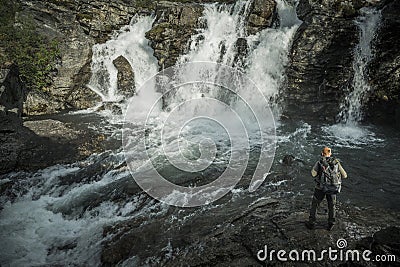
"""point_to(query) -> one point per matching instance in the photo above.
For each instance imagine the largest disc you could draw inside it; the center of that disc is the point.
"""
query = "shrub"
(35, 54)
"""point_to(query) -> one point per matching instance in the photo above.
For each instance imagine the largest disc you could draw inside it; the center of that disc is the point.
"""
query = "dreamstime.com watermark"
(197, 98)
(340, 253)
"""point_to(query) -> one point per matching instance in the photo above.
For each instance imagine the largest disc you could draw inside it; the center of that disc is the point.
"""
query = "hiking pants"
(317, 198)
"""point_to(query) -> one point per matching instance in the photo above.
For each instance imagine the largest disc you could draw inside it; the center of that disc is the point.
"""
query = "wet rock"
(10, 142)
(52, 129)
(37, 144)
(114, 107)
(288, 160)
(275, 221)
(175, 24)
(242, 48)
(261, 15)
(12, 90)
(77, 26)
(384, 68)
(320, 70)
(5, 185)
(384, 242)
(80, 96)
(125, 77)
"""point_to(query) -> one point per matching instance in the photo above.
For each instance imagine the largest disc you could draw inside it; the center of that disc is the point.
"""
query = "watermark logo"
(341, 243)
(340, 253)
(192, 117)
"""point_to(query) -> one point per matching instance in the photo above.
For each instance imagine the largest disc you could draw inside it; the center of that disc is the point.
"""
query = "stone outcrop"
(58, 20)
(174, 26)
(80, 96)
(384, 69)
(262, 13)
(125, 77)
(33, 145)
(77, 26)
(12, 90)
(320, 70)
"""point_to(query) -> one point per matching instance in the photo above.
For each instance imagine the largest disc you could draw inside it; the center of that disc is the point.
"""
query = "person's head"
(326, 152)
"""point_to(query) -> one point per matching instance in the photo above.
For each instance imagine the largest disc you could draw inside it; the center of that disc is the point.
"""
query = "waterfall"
(225, 24)
(268, 54)
(368, 24)
(129, 42)
(225, 98)
(348, 132)
(264, 59)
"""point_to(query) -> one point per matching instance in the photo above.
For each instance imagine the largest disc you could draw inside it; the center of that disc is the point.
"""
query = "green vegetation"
(35, 55)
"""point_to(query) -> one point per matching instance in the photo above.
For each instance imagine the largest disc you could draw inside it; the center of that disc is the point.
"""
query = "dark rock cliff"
(320, 71)
(77, 26)
(12, 90)
(321, 59)
(384, 70)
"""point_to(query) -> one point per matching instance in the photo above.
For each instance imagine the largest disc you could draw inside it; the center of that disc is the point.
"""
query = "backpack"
(330, 178)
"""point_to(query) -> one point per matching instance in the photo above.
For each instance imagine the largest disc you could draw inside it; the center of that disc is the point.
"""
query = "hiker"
(329, 173)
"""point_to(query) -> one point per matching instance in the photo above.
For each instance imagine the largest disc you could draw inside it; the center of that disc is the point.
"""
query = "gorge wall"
(384, 71)
(320, 72)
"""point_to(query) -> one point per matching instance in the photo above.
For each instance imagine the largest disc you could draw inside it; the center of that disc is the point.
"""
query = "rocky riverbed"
(277, 221)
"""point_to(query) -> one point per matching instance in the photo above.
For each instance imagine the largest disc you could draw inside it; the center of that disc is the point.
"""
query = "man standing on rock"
(329, 173)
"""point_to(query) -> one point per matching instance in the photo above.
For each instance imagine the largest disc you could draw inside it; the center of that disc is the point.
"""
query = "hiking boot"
(330, 226)
(310, 225)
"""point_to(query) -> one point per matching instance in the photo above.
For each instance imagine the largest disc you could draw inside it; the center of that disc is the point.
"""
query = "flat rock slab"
(37, 144)
(52, 129)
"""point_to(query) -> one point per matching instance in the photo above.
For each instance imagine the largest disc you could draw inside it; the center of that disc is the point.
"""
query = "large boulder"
(12, 93)
(125, 77)
(12, 90)
(262, 13)
(80, 96)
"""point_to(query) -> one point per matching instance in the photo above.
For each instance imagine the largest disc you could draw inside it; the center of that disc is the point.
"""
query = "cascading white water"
(368, 24)
(129, 42)
(264, 62)
(267, 50)
(268, 54)
(348, 132)
(224, 25)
